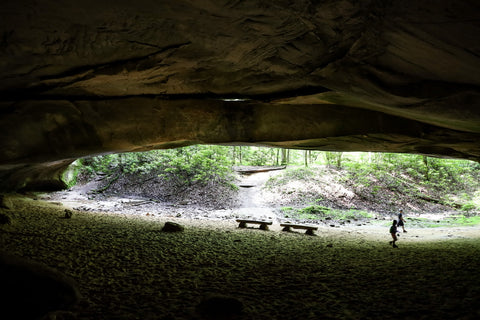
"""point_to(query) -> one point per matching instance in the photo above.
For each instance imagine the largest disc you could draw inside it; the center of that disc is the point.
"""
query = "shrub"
(469, 206)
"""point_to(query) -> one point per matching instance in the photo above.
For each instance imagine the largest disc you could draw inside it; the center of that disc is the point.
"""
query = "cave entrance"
(227, 182)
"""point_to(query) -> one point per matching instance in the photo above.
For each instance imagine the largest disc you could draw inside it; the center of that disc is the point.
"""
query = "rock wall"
(80, 79)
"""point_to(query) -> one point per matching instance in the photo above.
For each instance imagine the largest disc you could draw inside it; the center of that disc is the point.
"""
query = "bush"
(197, 164)
(183, 166)
(469, 206)
(290, 174)
(316, 210)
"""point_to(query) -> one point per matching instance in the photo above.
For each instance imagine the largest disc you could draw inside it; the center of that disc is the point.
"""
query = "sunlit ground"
(127, 268)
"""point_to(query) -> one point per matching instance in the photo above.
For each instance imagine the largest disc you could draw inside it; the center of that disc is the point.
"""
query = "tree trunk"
(427, 168)
(284, 160)
(339, 159)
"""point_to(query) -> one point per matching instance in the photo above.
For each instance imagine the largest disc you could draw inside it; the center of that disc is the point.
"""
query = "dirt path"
(251, 202)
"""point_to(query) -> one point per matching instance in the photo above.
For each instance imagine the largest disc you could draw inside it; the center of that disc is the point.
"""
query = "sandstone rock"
(81, 79)
(172, 227)
(68, 214)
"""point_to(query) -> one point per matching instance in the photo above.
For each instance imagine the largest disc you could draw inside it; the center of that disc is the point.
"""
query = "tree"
(333, 159)
(427, 169)
(285, 157)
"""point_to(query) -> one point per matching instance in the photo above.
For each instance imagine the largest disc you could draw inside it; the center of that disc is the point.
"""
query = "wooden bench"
(263, 224)
(289, 226)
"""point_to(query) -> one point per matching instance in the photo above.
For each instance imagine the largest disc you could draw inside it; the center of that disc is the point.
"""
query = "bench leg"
(242, 224)
(264, 226)
(286, 229)
(309, 232)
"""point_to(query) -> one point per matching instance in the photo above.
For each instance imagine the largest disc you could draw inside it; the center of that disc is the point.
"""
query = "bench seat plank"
(298, 226)
(263, 224)
(288, 226)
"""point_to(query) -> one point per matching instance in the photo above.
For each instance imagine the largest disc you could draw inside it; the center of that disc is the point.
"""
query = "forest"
(208, 176)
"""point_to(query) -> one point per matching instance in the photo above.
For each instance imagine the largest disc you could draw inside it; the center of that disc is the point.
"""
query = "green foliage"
(333, 158)
(313, 212)
(371, 176)
(184, 166)
(387, 180)
(414, 175)
(468, 221)
(298, 173)
(197, 164)
(469, 206)
(261, 156)
(316, 210)
(352, 214)
(305, 213)
(71, 174)
(101, 164)
(452, 221)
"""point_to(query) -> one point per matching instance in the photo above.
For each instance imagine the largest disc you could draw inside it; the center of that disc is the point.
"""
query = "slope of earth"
(344, 189)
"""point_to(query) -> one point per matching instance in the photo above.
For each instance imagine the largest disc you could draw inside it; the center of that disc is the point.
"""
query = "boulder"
(172, 227)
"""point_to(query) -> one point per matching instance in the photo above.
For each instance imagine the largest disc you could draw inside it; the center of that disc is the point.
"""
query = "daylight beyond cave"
(88, 79)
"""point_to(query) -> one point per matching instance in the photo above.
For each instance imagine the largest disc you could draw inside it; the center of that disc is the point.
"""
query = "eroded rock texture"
(92, 77)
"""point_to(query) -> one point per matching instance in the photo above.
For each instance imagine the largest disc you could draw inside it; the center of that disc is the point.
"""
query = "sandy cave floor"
(126, 268)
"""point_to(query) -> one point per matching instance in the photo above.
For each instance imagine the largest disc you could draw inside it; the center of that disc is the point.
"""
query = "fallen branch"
(439, 201)
(138, 203)
(107, 185)
(250, 170)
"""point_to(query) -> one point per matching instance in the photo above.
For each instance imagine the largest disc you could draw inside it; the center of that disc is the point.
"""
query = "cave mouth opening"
(227, 182)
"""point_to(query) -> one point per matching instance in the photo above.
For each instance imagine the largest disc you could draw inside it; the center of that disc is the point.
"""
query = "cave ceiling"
(94, 77)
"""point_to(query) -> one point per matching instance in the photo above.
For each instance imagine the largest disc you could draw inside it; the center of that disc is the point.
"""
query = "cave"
(101, 77)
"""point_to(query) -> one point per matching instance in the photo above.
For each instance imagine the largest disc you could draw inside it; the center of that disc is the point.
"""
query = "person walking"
(393, 232)
(401, 221)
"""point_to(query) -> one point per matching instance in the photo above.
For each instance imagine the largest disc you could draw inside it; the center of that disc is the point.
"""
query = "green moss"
(452, 221)
(69, 177)
(469, 206)
(317, 212)
(467, 221)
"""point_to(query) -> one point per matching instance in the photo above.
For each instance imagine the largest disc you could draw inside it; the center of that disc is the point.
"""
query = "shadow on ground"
(127, 268)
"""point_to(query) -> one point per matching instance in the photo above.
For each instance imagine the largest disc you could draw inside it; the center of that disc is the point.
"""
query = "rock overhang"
(102, 77)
